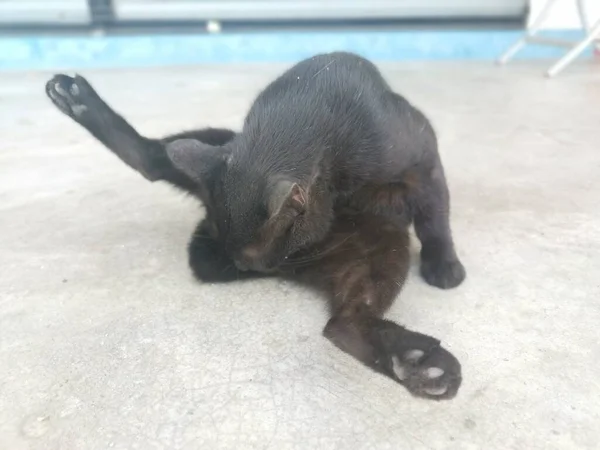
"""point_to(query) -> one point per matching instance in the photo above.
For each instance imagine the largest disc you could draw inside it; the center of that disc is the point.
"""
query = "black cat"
(321, 184)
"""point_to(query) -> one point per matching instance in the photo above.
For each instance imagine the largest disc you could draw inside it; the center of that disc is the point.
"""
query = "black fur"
(321, 184)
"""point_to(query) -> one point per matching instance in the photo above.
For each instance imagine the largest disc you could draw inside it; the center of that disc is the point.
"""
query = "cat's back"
(335, 107)
(332, 71)
(325, 82)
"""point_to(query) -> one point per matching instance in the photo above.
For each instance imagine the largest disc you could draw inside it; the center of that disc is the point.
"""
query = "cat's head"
(260, 219)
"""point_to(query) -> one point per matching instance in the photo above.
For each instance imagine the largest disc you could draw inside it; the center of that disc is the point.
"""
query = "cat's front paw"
(209, 261)
(442, 273)
(72, 95)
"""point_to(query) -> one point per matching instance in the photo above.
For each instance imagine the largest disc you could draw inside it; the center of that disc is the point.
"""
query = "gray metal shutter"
(44, 11)
(313, 9)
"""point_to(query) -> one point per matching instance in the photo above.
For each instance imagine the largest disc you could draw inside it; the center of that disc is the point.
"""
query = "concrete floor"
(106, 341)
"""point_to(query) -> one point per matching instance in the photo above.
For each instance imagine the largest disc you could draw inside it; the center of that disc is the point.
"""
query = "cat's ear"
(287, 196)
(196, 159)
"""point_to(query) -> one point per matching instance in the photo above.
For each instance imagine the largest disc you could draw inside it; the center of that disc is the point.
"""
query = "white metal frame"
(592, 35)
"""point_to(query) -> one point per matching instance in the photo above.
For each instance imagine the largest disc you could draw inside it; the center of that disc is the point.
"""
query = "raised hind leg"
(75, 97)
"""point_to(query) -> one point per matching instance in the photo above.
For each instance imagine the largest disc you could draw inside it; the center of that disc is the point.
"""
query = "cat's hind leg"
(75, 97)
(365, 264)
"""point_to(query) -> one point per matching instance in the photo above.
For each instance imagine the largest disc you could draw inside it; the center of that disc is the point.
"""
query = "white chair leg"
(563, 62)
(581, 9)
(535, 27)
(583, 16)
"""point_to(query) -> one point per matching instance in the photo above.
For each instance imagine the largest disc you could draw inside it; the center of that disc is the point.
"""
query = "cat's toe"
(69, 94)
(443, 274)
(435, 374)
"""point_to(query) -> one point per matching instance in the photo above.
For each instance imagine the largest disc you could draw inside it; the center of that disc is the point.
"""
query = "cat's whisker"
(226, 268)
(202, 236)
(318, 256)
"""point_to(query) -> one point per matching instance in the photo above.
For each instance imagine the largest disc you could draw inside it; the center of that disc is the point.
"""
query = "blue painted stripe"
(131, 51)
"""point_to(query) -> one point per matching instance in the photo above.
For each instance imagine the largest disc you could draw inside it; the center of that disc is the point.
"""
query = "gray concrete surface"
(106, 341)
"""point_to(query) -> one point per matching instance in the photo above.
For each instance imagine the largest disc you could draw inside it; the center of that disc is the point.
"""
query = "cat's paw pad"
(433, 374)
(443, 274)
(71, 95)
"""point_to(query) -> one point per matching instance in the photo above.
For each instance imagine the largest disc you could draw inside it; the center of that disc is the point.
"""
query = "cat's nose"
(240, 265)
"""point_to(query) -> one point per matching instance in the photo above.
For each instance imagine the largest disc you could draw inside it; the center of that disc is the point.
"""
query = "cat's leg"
(427, 195)
(362, 273)
(430, 204)
(209, 261)
(76, 98)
